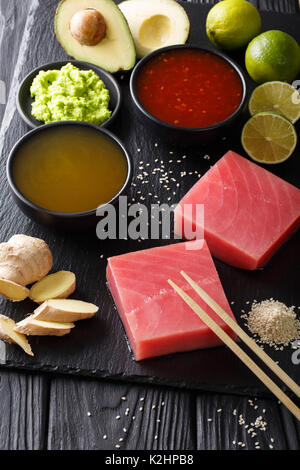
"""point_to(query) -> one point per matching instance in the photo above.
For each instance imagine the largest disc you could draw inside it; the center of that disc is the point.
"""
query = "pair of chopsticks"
(236, 348)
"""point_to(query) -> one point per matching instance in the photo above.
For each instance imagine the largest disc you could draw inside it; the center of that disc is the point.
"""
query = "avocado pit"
(88, 27)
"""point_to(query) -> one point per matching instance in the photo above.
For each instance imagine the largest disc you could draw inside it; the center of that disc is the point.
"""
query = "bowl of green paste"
(69, 91)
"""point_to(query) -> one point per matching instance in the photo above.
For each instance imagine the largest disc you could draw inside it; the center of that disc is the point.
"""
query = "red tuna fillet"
(248, 212)
(156, 319)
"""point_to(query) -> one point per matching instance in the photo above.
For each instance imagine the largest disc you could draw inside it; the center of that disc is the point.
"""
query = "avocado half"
(114, 52)
(155, 23)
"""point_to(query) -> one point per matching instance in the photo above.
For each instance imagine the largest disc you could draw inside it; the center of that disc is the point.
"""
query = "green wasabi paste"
(69, 94)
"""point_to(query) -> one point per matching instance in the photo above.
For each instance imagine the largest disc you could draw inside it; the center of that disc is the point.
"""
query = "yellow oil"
(69, 169)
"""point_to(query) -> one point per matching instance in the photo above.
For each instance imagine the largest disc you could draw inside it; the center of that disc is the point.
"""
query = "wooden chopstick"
(246, 338)
(238, 351)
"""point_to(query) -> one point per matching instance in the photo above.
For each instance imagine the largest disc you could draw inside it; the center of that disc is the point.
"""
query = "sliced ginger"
(54, 286)
(8, 334)
(12, 291)
(65, 310)
(30, 326)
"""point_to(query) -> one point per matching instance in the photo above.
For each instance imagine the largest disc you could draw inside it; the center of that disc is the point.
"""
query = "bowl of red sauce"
(188, 93)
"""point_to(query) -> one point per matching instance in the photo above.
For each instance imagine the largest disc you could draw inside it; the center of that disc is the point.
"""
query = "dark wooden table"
(39, 411)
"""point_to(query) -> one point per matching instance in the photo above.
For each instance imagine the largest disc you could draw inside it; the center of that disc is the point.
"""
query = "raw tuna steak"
(156, 319)
(248, 212)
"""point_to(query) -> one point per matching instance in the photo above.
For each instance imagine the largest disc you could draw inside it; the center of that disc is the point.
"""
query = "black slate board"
(98, 347)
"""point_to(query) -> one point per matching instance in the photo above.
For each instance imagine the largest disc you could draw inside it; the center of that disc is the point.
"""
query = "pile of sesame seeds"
(273, 323)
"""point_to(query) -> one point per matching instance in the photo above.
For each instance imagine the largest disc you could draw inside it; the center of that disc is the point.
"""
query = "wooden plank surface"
(23, 411)
(24, 397)
(88, 414)
(227, 422)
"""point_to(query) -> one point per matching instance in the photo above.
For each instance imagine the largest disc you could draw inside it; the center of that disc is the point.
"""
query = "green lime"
(269, 138)
(279, 97)
(232, 24)
(273, 56)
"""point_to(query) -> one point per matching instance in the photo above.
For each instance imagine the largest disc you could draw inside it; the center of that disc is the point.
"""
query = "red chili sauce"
(189, 88)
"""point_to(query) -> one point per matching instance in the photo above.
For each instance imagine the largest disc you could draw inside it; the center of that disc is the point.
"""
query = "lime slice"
(279, 97)
(269, 138)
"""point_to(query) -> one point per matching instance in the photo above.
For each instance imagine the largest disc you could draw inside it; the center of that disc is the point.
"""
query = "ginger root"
(65, 310)
(32, 327)
(9, 335)
(54, 286)
(23, 260)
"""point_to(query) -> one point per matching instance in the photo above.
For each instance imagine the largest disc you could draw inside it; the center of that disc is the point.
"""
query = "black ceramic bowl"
(78, 220)
(186, 135)
(24, 99)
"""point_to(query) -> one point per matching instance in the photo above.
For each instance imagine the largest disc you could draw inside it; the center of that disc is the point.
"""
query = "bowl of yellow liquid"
(60, 173)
